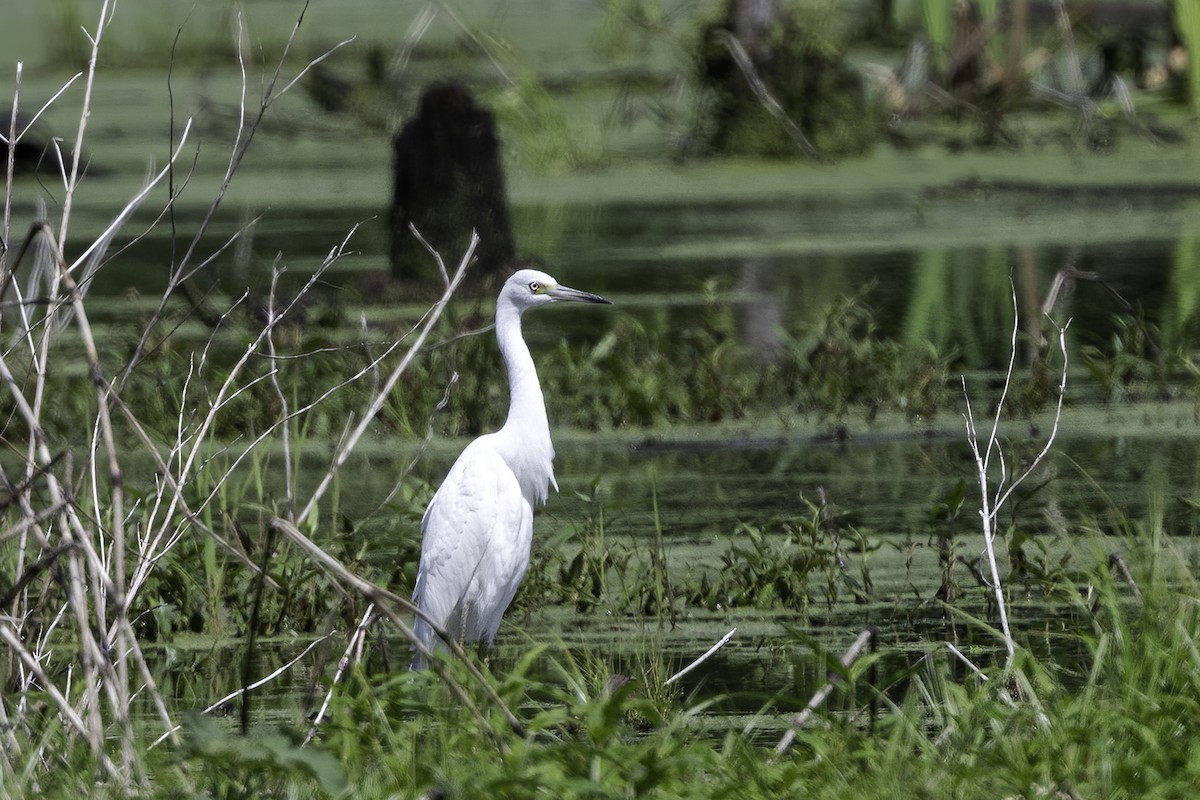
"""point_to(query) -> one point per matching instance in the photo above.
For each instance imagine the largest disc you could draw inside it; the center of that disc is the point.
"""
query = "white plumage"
(478, 529)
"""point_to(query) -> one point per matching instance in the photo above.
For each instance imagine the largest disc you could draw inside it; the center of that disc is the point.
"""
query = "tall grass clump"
(1187, 19)
(119, 530)
(1118, 720)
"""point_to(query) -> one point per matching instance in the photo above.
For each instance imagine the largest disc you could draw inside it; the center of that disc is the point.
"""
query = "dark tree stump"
(448, 181)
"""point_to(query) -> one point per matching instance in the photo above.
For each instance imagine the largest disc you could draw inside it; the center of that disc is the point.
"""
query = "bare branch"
(707, 654)
(768, 101)
(381, 396)
(990, 504)
(849, 657)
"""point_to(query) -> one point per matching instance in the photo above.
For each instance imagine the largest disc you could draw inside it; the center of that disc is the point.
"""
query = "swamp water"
(702, 493)
(698, 485)
(783, 241)
(783, 260)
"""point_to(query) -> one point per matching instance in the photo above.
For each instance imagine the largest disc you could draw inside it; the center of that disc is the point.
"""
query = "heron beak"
(567, 293)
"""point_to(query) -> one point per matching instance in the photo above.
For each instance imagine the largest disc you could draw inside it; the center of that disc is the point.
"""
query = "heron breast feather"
(478, 526)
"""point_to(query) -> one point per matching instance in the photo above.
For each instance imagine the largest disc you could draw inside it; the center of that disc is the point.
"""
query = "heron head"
(528, 288)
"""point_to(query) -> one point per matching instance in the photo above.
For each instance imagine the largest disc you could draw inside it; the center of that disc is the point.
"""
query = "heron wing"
(471, 537)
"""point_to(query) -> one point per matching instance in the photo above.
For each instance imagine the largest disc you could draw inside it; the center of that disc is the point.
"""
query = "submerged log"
(448, 181)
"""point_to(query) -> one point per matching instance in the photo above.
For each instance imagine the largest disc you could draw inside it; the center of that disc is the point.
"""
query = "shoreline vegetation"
(159, 482)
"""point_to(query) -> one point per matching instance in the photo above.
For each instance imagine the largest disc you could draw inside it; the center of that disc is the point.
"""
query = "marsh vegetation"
(222, 424)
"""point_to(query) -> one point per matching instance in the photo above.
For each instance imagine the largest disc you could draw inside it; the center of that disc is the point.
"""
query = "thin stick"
(125, 634)
(179, 476)
(990, 504)
(987, 518)
(720, 643)
(768, 101)
(431, 318)
(238, 692)
(64, 706)
(849, 657)
(987, 513)
(192, 517)
(225, 394)
(437, 257)
(387, 602)
(72, 182)
(71, 530)
(245, 135)
(289, 481)
(10, 163)
(1118, 561)
(151, 687)
(360, 632)
(1058, 409)
(959, 655)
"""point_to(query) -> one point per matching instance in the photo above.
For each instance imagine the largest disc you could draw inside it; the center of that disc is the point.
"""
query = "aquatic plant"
(1187, 18)
(943, 534)
(582, 569)
(120, 532)
(1133, 366)
(643, 370)
(806, 560)
(840, 364)
(1017, 730)
(166, 488)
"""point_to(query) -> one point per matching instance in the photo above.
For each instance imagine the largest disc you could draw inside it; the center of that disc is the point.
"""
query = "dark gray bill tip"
(567, 293)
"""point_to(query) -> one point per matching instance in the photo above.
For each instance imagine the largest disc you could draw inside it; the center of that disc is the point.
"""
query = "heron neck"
(526, 406)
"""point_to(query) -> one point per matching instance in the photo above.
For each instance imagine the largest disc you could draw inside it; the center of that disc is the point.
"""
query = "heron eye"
(535, 287)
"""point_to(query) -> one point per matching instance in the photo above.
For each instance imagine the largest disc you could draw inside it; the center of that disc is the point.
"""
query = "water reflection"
(940, 267)
(889, 483)
(760, 319)
(941, 272)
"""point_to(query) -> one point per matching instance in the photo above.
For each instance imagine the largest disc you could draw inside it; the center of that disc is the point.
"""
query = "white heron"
(478, 528)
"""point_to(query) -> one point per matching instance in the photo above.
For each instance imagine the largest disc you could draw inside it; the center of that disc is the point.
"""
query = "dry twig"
(707, 654)
(991, 503)
(849, 657)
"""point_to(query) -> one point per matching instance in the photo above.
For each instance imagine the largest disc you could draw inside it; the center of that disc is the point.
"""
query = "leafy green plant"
(233, 766)
(584, 576)
(1133, 366)
(842, 364)
(778, 570)
(943, 534)
(761, 572)
(1040, 564)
